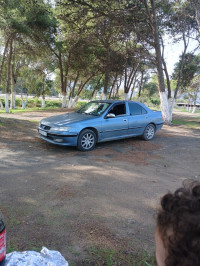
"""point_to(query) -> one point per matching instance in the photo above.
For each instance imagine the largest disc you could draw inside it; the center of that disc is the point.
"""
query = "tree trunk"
(13, 93)
(167, 78)
(197, 16)
(107, 71)
(64, 100)
(24, 102)
(188, 105)
(113, 85)
(129, 78)
(171, 104)
(71, 95)
(75, 100)
(165, 107)
(103, 97)
(106, 81)
(43, 101)
(117, 89)
(1, 104)
(166, 73)
(7, 103)
(133, 87)
(141, 85)
(94, 94)
(126, 96)
(4, 57)
(8, 76)
(181, 67)
(12, 100)
(81, 87)
(161, 84)
(195, 102)
(63, 87)
(194, 109)
(70, 103)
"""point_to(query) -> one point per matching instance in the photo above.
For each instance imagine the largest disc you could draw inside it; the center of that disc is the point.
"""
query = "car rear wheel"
(87, 140)
(149, 132)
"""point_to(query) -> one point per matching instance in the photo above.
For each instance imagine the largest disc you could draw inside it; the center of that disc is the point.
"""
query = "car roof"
(123, 101)
(115, 101)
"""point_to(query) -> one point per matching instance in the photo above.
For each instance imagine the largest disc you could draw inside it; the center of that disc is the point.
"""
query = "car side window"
(118, 109)
(136, 109)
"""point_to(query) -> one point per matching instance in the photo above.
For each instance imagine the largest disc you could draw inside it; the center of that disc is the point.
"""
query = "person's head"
(178, 227)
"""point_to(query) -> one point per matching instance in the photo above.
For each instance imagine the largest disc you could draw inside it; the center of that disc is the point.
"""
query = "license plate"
(43, 133)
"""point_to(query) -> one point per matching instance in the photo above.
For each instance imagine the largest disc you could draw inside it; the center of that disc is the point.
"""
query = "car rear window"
(136, 109)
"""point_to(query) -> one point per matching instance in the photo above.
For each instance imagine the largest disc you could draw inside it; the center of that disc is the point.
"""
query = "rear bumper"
(159, 126)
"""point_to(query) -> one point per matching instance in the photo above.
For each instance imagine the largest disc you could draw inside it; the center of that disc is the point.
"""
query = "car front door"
(115, 127)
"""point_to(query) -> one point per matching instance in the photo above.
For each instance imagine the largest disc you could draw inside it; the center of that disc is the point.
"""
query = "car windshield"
(94, 108)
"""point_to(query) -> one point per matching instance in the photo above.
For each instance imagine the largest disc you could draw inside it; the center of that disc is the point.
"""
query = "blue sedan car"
(99, 121)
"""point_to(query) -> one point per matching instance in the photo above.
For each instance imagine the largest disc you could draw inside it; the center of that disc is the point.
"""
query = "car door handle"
(125, 120)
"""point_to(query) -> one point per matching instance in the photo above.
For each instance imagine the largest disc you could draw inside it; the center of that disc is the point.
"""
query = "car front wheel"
(87, 140)
(149, 132)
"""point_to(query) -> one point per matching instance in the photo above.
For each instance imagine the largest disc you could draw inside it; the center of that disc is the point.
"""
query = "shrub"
(3, 101)
(79, 104)
(31, 103)
(53, 104)
(18, 102)
(155, 101)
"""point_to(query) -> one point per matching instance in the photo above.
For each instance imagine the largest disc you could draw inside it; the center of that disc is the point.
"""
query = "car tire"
(87, 140)
(149, 132)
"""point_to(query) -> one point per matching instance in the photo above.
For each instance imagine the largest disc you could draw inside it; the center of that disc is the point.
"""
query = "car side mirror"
(110, 115)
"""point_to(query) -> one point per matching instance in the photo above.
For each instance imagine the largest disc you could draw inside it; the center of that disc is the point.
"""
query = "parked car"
(99, 121)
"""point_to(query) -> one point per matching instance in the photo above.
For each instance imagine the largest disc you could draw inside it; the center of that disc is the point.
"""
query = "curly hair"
(178, 223)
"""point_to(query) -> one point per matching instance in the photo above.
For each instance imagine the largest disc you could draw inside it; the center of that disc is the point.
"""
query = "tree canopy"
(97, 45)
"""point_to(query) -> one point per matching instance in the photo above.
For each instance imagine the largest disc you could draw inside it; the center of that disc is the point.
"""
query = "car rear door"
(115, 127)
(137, 120)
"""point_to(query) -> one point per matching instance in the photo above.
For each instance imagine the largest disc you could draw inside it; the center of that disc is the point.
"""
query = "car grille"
(45, 127)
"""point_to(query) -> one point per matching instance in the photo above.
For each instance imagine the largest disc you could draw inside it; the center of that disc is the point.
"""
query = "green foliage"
(31, 103)
(150, 89)
(155, 101)
(39, 17)
(2, 100)
(95, 85)
(36, 102)
(53, 104)
(18, 102)
(190, 68)
(86, 94)
(149, 93)
(79, 104)
(117, 97)
(82, 40)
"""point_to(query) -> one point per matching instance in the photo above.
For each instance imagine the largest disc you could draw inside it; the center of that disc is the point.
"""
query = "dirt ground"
(70, 201)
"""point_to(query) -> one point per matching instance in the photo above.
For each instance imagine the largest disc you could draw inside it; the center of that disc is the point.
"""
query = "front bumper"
(58, 139)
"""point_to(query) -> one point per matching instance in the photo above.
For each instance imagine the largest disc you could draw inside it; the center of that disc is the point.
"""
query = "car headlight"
(60, 128)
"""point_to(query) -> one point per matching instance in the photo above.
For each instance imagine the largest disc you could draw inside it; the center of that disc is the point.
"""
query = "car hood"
(65, 119)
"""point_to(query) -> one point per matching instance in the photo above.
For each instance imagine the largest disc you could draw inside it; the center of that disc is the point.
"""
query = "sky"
(173, 52)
